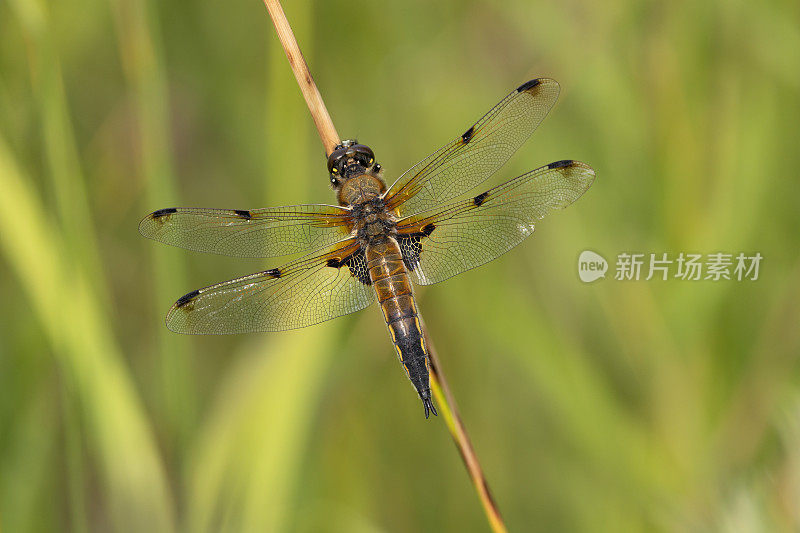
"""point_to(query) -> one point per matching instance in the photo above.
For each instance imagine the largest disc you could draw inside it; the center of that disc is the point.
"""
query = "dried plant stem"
(449, 410)
(441, 390)
(319, 112)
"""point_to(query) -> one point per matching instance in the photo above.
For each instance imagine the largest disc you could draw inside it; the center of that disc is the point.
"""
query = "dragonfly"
(424, 227)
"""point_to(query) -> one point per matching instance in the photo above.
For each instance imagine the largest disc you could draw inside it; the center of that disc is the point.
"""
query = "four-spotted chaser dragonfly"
(377, 238)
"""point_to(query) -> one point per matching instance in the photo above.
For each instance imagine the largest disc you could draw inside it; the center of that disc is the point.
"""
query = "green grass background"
(649, 406)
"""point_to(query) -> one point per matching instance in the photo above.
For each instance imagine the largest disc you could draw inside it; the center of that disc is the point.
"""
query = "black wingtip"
(186, 298)
(163, 212)
(528, 85)
(564, 163)
(429, 408)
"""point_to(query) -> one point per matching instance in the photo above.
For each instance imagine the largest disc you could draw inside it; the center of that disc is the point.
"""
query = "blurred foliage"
(616, 406)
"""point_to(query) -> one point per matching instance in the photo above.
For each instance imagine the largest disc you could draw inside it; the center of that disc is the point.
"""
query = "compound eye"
(333, 160)
(364, 155)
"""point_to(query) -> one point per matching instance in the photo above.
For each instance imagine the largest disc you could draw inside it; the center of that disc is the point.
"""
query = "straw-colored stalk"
(441, 390)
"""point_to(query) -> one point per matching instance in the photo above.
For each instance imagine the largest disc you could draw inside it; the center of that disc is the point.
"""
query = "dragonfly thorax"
(372, 220)
(361, 190)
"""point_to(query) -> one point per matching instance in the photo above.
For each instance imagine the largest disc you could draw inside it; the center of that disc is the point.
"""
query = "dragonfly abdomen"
(393, 288)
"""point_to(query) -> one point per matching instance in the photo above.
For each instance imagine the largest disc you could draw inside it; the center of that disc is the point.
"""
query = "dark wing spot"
(564, 163)
(273, 272)
(468, 135)
(478, 200)
(410, 247)
(528, 85)
(163, 212)
(243, 213)
(357, 263)
(186, 298)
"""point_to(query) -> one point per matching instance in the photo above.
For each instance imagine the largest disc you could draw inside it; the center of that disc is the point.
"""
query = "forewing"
(475, 155)
(270, 232)
(466, 234)
(301, 293)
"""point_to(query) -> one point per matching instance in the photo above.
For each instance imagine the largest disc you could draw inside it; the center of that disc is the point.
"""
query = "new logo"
(591, 266)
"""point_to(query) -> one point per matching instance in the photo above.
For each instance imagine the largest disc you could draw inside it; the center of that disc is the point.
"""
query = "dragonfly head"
(349, 159)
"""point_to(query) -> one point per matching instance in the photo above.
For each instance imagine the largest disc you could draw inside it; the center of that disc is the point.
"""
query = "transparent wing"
(473, 157)
(469, 233)
(301, 293)
(270, 232)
